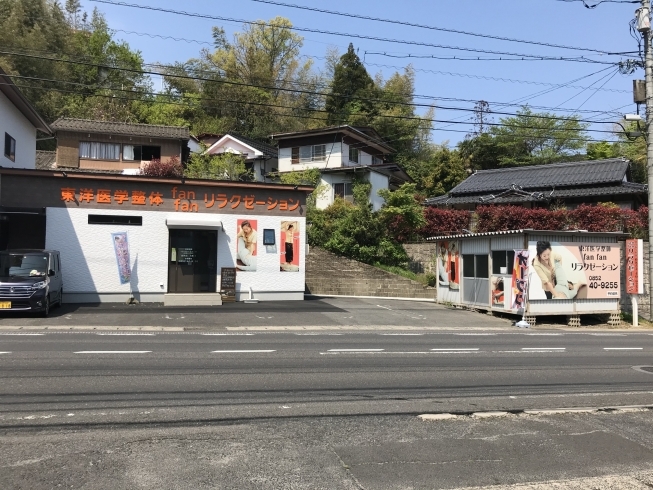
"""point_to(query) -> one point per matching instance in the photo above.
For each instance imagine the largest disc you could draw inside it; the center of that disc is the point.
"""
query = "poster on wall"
(449, 265)
(498, 291)
(520, 279)
(246, 245)
(121, 248)
(570, 271)
(289, 255)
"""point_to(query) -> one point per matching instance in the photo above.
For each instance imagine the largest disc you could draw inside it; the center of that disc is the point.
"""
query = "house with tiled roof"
(19, 123)
(342, 154)
(86, 144)
(260, 157)
(569, 183)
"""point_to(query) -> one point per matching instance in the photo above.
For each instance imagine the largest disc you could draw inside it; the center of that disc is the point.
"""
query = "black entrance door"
(192, 265)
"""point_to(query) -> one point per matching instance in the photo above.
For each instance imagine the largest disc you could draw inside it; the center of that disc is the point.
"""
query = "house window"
(475, 266)
(502, 258)
(10, 148)
(137, 153)
(353, 154)
(305, 154)
(343, 191)
(377, 160)
(107, 219)
(99, 151)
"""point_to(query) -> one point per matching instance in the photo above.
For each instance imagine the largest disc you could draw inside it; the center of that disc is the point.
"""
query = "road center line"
(113, 352)
(623, 348)
(23, 334)
(385, 307)
(402, 334)
(355, 350)
(125, 334)
(241, 351)
(5, 352)
(544, 334)
(474, 334)
(232, 334)
(455, 350)
(543, 348)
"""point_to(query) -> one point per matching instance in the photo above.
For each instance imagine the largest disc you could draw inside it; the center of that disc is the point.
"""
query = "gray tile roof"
(45, 159)
(589, 172)
(120, 128)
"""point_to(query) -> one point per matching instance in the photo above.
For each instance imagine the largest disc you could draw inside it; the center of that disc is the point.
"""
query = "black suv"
(30, 280)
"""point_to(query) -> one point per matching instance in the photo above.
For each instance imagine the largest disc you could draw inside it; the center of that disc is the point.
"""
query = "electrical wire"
(434, 28)
(335, 33)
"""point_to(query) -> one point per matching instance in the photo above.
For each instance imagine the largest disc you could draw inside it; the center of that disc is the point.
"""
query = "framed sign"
(228, 284)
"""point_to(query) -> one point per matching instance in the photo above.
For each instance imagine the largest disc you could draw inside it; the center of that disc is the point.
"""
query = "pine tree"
(73, 8)
(350, 79)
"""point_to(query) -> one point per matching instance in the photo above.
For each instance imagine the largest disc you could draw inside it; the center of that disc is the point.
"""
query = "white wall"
(89, 263)
(378, 182)
(334, 156)
(13, 122)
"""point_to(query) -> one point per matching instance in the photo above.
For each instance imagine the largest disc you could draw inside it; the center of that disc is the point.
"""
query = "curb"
(421, 300)
(431, 417)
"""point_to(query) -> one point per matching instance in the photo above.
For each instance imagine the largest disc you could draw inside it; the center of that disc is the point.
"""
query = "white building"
(341, 153)
(19, 123)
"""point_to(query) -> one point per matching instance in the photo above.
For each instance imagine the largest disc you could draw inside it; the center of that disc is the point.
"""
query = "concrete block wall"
(329, 274)
(422, 257)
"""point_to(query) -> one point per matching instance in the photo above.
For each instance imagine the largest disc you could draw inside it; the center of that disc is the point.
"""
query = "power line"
(297, 91)
(599, 2)
(434, 28)
(516, 57)
(334, 33)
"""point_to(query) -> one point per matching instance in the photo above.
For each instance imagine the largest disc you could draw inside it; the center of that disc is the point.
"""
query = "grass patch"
(425, 279)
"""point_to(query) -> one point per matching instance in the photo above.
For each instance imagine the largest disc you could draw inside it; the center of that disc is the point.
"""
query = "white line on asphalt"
(113, 352)
(547, 334)
(356, 350)
(227, 334)
(241, 351)
(124, 334)
(455, 350)
(543, 348)
(384, 353)
(318, 334)
(474, 334)
(623, 348)
(384, 307)
(5, 352)
(402, 334)
(25, 334)
(608, 334)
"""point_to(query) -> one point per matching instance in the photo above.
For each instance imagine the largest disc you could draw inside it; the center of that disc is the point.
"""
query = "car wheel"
(46, 307)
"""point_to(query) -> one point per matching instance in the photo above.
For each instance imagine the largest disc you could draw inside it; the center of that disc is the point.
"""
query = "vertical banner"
(520, 279)
(449, 265)
(290, 237)
(121, 248)
(246, 244)
(635, 266)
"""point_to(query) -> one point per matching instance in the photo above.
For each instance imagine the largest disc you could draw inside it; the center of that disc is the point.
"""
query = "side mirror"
(51, 273)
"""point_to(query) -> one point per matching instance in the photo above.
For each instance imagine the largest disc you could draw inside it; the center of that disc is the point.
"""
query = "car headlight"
(39, 285)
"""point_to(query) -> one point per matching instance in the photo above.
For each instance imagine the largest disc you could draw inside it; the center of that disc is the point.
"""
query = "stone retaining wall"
(422, 257)
(330, 274)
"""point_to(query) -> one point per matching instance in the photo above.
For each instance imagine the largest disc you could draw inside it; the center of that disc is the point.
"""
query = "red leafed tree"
(159, 168)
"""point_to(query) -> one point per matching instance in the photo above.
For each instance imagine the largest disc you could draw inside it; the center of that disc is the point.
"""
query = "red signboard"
(634, 265)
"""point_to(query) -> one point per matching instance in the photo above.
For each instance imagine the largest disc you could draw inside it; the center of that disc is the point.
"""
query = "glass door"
(192, 264)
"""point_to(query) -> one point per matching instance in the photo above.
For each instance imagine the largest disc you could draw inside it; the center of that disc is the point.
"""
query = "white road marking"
(385, 307)
(384, 353)
(623, 348)
(455, 350)
(5, 352)
(124, 334)
(402, 334)
(474, 334)
(547, 334)
(318, 334)
(608, 334)
(241, 351)
(214, 334)
(24, 334)
(113, 352)
(355, 350)
(543, 348)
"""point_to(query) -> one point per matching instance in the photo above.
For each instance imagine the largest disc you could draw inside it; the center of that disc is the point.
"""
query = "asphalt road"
(326, 409)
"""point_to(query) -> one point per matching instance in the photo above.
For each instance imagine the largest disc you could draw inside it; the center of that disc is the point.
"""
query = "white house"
(341, 153)
(19, 122)
(259, 157)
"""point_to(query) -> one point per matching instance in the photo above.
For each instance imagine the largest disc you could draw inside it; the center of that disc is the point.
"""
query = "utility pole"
(644, 26)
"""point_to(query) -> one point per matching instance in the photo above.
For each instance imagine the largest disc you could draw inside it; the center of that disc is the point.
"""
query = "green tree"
(402, 212)
(436, 169)
(226, 166)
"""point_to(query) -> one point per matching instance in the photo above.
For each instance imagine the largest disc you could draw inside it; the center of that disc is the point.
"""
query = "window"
(304, 154)
(137, 153)
(476, 266)
(343, 191)
(502, 258)
(353, 154)
(10, 148)
(99, 151)
(107, 219)
(377, 160)
(268, 237)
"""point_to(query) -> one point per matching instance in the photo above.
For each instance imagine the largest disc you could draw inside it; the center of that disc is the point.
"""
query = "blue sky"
(551, 21)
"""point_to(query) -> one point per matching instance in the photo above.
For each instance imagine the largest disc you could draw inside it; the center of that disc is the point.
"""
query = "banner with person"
(520, 279)
(571, 271)
(246, 245)
(121, 249)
